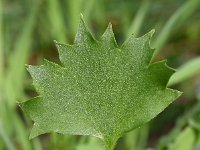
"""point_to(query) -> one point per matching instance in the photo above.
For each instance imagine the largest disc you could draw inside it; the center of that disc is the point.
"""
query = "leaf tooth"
(138, 49)
(43, 73)
(108, 36)
(161, 71)
(36, 131)
(50, 64)
(32, 107)
(34, 70)
(150, 35)
(83, 36)
(61, 45)
(66, 53)
(110, 142)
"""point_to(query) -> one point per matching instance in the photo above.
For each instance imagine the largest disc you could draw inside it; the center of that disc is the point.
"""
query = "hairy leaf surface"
(101, 89)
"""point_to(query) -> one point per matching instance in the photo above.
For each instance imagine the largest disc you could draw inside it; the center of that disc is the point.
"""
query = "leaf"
(101, 89)
(186, 71)
(184, 141)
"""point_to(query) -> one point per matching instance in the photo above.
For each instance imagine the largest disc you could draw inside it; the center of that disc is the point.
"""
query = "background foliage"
(27, 31)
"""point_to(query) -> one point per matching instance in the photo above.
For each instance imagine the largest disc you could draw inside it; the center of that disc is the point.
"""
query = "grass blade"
(184, 141)
(5, 138)
(74, 8)
(55, 16)
(176, 19)
(16, 71)
(1, 42)
(139, 18)
(186, 71)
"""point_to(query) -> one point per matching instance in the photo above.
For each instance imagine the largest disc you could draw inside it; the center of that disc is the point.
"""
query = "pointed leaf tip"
(55, 41)
(82, 21)
(34, 132)
(28, 67)
(81, 16)
(110, 26)
(83, 35)
(108, 36)
(108, 32)
(152, 32)
(148, 35)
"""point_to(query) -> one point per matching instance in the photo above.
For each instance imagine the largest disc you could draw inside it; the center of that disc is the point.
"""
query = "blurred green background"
(27, 31)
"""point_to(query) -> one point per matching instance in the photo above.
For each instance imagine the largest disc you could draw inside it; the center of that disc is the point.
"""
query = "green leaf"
(184, 141)
(186, 71)
(101, 89)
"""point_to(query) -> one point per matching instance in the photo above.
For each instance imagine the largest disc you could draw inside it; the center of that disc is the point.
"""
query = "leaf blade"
(101, 90)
